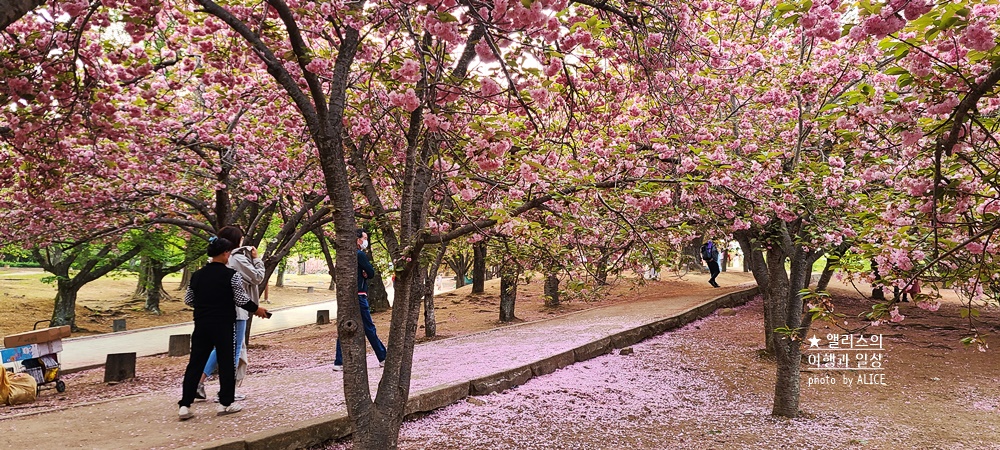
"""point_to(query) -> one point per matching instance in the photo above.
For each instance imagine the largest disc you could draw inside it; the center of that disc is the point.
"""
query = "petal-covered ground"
(705, 386)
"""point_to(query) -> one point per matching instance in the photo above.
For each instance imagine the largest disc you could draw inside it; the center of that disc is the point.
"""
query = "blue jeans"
(366, 317)
(213, 363)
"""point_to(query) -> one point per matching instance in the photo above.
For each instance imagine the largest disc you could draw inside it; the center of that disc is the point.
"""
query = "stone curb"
(338, 426)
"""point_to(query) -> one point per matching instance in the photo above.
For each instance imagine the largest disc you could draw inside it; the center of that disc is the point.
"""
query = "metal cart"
(45, 369)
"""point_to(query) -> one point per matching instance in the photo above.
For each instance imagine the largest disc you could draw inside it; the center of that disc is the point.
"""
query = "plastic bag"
(23, 389)
(242, 366)
(4, 386)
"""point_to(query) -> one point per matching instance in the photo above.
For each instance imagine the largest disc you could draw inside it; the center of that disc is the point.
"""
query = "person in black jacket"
(365, 271)
(213, 291)
(710, 253)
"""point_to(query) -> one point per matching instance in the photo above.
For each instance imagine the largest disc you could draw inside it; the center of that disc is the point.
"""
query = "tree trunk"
(154, 282)
(877, 292)
(783, 294)
(331, 266)
(185, 278)
(824, 279)
(12, 10)
(479, 267)
(143, 274)
(154, 289)
(601, 270)
(753, 258)
(508, 294)
(786, 388)
(552, 290)
(378, 297)
(430, 322)
(280, 282)
(64, 312)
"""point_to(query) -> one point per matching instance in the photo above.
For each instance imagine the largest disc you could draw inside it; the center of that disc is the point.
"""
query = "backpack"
(706, 252)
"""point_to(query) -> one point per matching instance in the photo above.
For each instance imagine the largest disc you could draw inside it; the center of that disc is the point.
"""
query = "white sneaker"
(338, 368)
(200, 393)
(237, 397)
(184, 413)
(381, 363)
(231, 409)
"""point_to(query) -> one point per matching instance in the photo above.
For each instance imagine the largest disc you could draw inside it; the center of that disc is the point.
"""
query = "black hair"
(361, 232)
(233, 234)
(218, 246)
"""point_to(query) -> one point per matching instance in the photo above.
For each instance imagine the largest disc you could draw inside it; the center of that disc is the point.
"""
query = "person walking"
(365, 271)
(243, 260)
(710, 253)
(212, 292)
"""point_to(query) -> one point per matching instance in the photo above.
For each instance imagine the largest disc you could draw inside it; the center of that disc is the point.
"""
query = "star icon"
(813, 341)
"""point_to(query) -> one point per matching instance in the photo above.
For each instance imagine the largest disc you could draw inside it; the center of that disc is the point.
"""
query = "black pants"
(713, 268)
(206, 336)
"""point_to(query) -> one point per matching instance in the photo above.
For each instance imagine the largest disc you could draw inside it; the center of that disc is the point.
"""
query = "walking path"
(91, 351)
(294, 408)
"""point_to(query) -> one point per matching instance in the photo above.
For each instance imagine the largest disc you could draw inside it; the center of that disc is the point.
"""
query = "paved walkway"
(278, 402)
(92, 351)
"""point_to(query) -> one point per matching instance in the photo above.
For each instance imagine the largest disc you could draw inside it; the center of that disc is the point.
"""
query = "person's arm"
(240, 295)
(252, 269)
(365, 265)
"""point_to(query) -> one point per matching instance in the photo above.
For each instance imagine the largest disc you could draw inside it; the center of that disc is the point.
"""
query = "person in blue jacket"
(365, 272)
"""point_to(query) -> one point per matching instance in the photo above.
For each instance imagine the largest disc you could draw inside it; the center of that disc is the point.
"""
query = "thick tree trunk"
(508, 294)
(378, 297)
(551, 290)
(154, 289)
(64, 312)
(786, 388)
(12, 10)
(479, 267)
(143, 275)
(787, 313)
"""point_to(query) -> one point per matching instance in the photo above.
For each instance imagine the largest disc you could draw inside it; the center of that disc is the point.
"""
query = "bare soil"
(25, 299)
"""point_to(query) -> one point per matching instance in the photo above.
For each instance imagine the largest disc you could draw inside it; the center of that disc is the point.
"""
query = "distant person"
(710, 253)
(212, 292)
(243, 260)
(365, 271)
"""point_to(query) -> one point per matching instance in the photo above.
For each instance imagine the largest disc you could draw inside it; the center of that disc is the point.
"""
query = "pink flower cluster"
(407, 100)
(979, 36)
(822, 20)
(409, 72)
